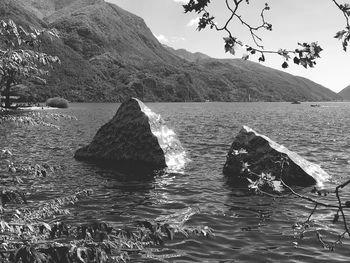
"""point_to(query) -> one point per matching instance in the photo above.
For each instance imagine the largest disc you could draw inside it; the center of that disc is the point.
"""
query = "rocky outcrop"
(135, 138)
(252, 154)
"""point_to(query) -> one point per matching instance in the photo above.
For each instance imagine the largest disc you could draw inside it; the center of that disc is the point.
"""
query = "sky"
(292, 21)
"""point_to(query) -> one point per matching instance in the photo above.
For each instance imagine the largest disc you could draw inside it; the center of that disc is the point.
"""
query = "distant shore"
(28, 108)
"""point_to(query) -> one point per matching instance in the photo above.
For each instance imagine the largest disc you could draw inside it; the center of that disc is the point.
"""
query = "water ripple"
(248, 228)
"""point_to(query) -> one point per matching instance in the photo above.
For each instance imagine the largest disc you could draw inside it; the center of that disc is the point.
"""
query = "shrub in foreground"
(33, 232)
(57, 102)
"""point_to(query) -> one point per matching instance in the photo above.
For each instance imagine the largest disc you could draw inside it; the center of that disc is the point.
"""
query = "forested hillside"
(109, 54)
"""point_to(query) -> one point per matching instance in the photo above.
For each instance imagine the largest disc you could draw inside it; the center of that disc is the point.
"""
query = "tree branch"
(341, 7)
(340, 205)
(305, 57)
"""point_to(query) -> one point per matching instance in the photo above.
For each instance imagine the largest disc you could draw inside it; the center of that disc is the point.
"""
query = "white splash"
(175, 155)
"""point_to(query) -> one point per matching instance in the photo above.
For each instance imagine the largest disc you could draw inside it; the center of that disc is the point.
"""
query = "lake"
(247, 227)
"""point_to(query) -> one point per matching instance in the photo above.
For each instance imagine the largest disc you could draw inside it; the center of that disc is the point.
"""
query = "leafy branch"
(305, 54)
(36, 233)
(275, 187)
(34, 119)
(19, 60)
(344, 34)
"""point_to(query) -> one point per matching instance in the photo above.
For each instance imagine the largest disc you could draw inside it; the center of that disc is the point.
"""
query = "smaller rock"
(252, 153)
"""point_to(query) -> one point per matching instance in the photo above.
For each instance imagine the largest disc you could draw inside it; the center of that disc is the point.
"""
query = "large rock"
(135, 138)
(256, 152)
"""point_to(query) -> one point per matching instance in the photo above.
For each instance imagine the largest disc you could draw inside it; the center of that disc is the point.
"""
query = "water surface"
(248, 228)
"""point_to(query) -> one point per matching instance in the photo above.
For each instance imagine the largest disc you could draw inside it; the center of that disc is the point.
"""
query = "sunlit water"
(248, 228)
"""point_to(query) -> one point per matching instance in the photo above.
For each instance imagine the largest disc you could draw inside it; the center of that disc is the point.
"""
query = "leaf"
(170, 232)
(30, 227)
(19, 180)
(229, 48)
(245, 166)
(47, 226)
(146, 224)
(3, 225)
(204, 233)
(296, 60)
(303, 63)
(230, 44)
(339, 35)
(80, 253)
(277, 186)
(262, 58)
(184, 233)
(245, 57)
(242, 151)
(250, 181)
(336, 218)
(285, 64)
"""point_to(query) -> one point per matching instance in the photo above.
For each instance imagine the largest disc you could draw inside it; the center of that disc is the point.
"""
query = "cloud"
(177, 39)
(166, 39)
(193, 22)
(162, 39)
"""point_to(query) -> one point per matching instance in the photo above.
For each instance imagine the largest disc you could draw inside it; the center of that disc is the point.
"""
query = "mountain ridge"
(109, 54)
(345, 93)
(254, 68)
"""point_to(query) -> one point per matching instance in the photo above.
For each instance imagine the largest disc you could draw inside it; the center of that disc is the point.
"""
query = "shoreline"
(27, 108)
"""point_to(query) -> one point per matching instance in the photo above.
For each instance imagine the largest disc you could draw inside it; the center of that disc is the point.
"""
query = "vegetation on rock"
(57, 102)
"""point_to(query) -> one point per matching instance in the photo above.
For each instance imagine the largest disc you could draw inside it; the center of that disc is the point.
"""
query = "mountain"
(109, 54)
(10, 9)
(183, 53)
(345, 93)
(258, 81)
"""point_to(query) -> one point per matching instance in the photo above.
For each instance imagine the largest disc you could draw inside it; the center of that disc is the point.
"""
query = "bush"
(57, 102)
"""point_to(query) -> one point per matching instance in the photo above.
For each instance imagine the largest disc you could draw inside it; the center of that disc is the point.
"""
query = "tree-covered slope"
(109, 54)
(345, 93)
(10, 9)
(254, 81)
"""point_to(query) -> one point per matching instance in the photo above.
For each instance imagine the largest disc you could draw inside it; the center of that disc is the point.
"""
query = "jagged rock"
(256, 152)
(135, 138)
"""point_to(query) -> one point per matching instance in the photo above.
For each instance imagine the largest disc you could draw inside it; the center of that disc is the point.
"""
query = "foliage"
(33, 118)
(344, 35)
(57, 102)
(274, 186)
(19, 60)
(37, 232)
(305, 55)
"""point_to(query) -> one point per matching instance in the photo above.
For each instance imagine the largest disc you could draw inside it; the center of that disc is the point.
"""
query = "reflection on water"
(248, 228)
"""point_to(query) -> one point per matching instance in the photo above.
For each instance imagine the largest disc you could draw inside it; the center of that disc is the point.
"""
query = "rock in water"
(256, 152)
(135, 138)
